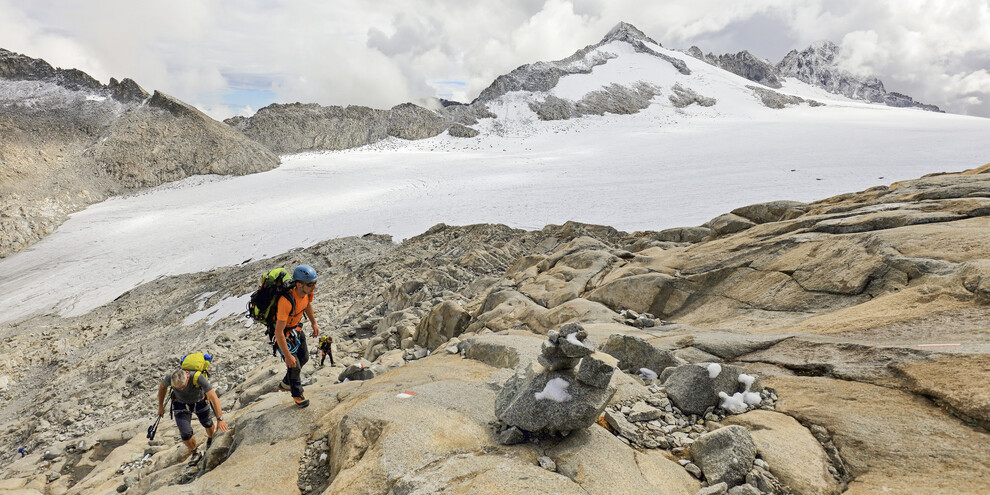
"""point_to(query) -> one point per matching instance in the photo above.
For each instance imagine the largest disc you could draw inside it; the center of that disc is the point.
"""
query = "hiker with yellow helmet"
(190, 394)
(289, 338)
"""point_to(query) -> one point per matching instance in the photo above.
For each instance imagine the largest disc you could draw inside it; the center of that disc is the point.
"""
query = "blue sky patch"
(254, 98)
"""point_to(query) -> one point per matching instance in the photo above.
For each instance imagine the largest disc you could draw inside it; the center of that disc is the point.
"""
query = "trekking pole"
(153, 429)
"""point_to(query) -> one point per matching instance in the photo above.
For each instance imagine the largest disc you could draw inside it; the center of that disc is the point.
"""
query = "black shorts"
(183, 417)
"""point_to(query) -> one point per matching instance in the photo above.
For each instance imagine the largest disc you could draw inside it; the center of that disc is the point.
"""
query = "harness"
(292, 340)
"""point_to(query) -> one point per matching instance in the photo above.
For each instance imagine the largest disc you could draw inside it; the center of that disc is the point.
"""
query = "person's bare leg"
(191, 445)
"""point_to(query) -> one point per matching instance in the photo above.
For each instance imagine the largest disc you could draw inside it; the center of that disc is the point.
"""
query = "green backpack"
(198, 362)
(264, 301)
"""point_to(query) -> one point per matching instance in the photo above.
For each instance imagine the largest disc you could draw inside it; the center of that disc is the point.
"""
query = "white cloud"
(386, 52)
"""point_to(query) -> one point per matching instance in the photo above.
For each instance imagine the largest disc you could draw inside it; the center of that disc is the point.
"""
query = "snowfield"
(663, 167)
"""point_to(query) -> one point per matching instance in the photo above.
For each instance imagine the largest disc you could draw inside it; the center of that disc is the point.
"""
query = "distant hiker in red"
(289, 338)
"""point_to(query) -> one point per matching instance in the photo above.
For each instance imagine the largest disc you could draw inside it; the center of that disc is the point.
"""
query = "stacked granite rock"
(567, 389)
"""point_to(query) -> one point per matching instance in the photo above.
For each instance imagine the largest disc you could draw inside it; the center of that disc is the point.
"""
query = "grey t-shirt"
(190, 394)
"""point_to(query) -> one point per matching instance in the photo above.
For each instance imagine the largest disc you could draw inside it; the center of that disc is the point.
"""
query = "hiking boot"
(209, 441)
(282, 387)
(196, 457)
(301, 401)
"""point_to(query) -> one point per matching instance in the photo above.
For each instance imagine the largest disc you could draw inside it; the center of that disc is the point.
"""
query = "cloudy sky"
(232, 58)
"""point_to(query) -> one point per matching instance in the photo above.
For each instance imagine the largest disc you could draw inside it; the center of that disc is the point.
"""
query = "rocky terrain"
(69, 141)
(810, 348)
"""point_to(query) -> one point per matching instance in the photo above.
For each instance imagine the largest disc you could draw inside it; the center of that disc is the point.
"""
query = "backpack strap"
(292, 300)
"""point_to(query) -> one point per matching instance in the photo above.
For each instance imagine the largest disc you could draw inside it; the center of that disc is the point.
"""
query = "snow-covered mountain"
(663, 140)
(628, 71)
(624, 73)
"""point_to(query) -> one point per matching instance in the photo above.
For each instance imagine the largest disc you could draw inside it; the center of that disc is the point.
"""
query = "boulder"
(635, 292)
(795, 457)
(549, 396)
(554, 359)
(728, 224)
(510, 350)
(507, 309)
(773, 211)
(567, 273)
(726, 454)
(641, 411)
(634, 353)
(444, 322)
(578, 310)
(744, 489)
(693, 389)
(223, 444)
(362, 370)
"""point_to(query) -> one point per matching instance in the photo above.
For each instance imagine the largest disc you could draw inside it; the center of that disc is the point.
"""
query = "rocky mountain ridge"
(830, 305)
(816, 65)
(69, 141)
(297, 127)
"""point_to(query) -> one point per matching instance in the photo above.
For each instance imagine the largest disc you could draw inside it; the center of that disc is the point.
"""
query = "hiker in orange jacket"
(289, 338)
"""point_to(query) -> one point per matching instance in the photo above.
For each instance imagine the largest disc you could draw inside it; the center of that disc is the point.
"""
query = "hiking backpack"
(198, 362)
(264, 302)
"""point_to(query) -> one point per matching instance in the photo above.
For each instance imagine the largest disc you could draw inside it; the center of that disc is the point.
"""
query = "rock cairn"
(566, 390)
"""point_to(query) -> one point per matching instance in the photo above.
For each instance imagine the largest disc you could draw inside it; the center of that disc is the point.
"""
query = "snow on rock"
(555, 390)
(225, 307)
(714, 369)
(647, 374)
(733, 403)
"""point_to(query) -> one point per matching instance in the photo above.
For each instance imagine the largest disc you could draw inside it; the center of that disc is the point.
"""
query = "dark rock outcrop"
(296, 127)
(742, 64)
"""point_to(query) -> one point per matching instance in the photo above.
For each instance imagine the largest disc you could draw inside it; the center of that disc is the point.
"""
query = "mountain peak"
(624, 31)
(824, 46)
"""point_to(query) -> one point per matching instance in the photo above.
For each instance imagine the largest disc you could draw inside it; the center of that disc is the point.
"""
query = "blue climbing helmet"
(304, 273)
